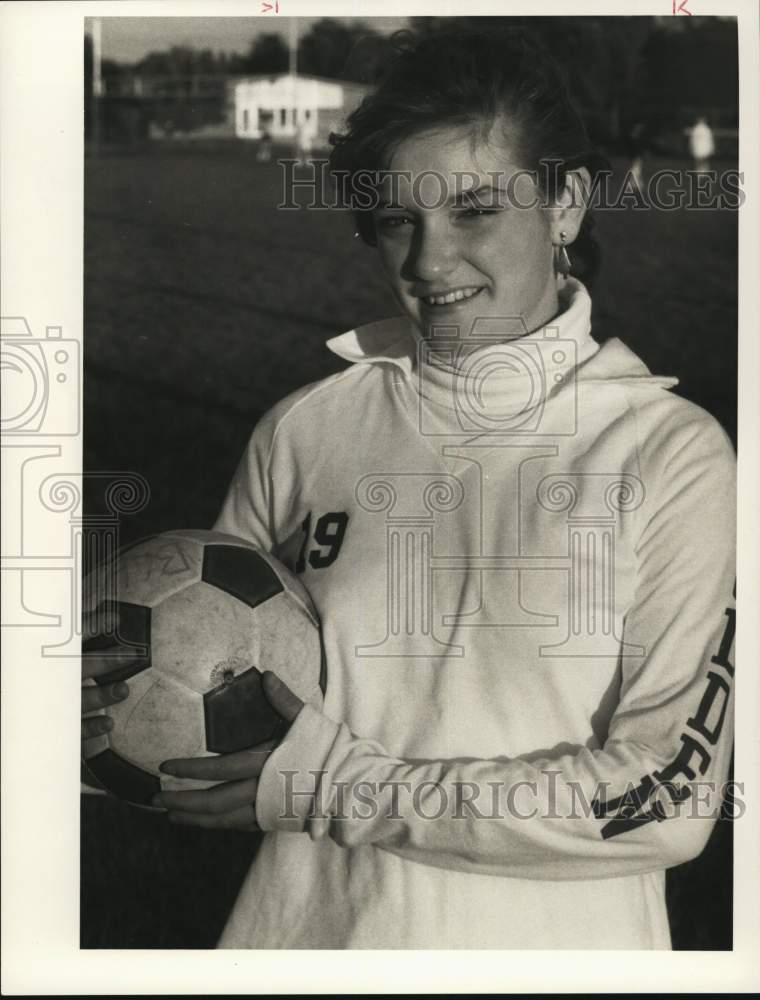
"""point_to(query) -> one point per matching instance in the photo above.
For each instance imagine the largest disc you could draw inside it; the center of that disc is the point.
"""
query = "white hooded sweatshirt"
(523, 557)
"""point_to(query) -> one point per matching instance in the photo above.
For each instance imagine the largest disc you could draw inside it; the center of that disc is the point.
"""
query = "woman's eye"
(392, 221)
(474, 213)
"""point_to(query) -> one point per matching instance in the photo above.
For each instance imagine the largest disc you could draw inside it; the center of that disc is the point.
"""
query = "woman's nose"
(432, 254)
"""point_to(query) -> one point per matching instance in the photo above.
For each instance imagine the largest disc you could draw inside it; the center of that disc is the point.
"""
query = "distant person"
(637, 148)
(305, 138)
(701, 145)
(264, 150)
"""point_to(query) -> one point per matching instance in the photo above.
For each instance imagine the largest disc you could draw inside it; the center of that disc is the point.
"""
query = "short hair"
(462, 74)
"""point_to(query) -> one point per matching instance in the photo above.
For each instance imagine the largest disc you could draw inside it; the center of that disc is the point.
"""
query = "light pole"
(97, 81)
(292, 73)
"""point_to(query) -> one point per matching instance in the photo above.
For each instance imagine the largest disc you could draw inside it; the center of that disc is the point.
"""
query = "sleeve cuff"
(292, 775)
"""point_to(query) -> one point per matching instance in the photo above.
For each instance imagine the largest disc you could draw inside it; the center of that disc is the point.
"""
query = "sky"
(127, 39)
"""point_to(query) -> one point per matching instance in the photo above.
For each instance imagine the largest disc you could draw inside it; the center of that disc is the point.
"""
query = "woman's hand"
(230, 804)
(97, 696)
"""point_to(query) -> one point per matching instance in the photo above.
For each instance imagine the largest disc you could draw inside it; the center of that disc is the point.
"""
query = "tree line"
(661, 70)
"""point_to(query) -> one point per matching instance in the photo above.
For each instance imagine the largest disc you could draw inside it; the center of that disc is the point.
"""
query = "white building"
(281, 105)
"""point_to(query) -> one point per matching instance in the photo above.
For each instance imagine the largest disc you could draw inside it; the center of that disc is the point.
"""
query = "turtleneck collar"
(501, 376)
(505, 376)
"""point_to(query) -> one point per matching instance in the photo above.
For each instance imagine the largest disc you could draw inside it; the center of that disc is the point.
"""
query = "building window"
(307, 114)
(245, 119)
(283, 116)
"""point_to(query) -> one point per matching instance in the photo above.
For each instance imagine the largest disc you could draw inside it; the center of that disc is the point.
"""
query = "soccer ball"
(204, 614)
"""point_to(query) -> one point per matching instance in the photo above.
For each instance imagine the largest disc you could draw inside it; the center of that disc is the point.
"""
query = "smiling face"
(476, 254)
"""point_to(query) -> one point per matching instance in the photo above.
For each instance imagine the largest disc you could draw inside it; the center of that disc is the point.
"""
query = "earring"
(562, 263)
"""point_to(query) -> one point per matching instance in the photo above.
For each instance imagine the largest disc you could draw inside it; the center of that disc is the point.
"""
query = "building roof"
(244, 77)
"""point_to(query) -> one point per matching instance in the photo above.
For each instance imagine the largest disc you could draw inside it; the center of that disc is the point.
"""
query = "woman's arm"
(646, 800)
(246, 511)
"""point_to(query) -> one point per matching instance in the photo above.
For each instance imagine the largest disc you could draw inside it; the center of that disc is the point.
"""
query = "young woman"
(521, 546)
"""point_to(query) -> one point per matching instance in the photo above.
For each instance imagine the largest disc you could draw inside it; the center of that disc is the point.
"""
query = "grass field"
(204, 306)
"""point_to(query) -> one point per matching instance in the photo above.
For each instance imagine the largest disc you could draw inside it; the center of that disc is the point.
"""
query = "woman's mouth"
(451, 298)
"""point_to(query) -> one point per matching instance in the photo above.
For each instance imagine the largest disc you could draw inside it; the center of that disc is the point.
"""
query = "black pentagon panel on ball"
(132, 636)
(240, 572)
(238, 714)
(123, 779)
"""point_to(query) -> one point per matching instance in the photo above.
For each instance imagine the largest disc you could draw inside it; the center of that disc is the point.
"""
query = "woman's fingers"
(103, 661)
(280, 697)
(95, 696)
(225, 767)
(97, 726)
(210, 801)
(239, 819)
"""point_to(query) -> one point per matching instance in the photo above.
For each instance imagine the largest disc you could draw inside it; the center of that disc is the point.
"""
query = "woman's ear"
(568, 208)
